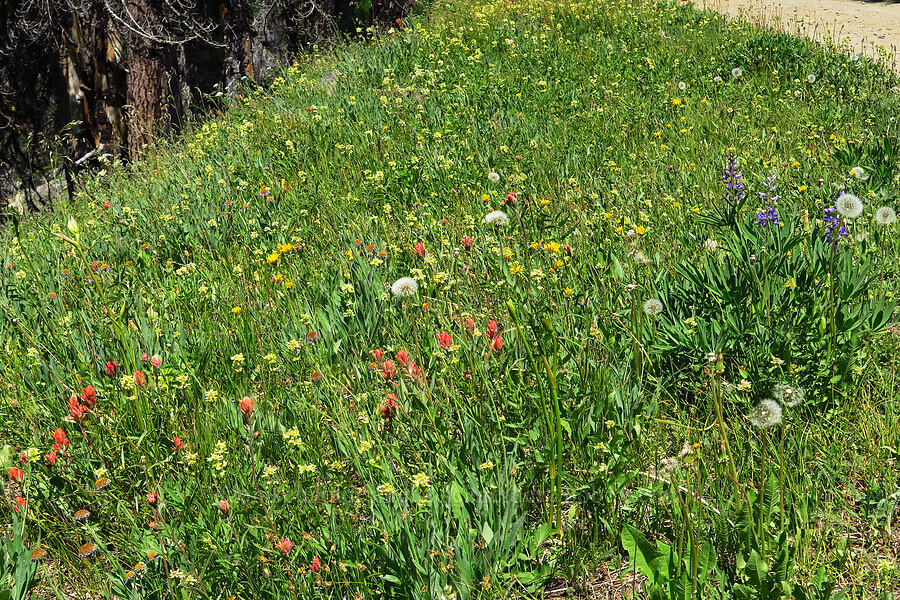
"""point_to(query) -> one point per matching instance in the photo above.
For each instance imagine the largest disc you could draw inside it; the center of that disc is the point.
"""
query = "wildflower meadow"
(518, 298)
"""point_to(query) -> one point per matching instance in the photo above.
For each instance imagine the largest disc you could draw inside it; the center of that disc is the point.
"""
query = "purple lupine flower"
(770, 215)
(834, 226)
(733, 180)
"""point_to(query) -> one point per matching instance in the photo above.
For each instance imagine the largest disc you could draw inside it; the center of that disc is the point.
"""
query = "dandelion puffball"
(810, 78)
(653, 307)
(494, 177)
(859, 173)
(404, 287)
(766, 414)
(885, 215)
(849, 206)
(789, 395)
(737, 73)
(498, 218)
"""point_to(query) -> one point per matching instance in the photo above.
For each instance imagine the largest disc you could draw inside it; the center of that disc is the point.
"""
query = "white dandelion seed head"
(653, 307)
(849, 206)
(404, 287)
(682, 85)
(494, 177)
(859, 173)
(711, 245)
(885, 215)
(717, 79)
(810, 78)
(497, 218)
(861, 237)
(668, 466)
(737, 72)
(766, 414)
(788, 394)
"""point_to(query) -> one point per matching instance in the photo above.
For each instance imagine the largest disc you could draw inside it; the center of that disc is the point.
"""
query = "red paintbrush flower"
(77, 409)
(285, 545)
(497, 342)
(388, 370)
(247, 405)
(89, 395)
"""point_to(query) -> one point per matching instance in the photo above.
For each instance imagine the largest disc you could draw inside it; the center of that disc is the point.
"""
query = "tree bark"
(238, 42)
(147, 82)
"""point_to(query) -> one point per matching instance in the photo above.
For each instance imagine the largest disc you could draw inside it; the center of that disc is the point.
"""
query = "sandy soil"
(870, 28)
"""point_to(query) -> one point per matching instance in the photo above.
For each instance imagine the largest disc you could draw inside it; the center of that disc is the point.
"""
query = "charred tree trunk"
(148, 83)
(238, 42)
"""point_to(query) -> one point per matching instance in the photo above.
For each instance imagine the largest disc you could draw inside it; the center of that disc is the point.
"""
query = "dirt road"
(871, 28)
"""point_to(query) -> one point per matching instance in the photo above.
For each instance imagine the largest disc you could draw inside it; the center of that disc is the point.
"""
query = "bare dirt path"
(854, 26)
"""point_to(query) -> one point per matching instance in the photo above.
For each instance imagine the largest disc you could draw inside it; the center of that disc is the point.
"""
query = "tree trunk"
(148, 83)
(238, 43)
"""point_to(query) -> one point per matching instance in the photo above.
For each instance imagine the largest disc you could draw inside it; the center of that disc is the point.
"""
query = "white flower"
(717, 79)
(885, 215)
(810, 78)
(766, 414)
(789, 395)
(405, 286)
(498, 217)
(668, 466)
(494, 177)
(711, 245)
(849, 206)
(682, 85)
(653, 307)
(737, 73)
(859, 173)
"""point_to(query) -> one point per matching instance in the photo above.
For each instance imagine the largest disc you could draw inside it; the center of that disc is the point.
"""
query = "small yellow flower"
(487, 465)
(236, 309)
(272, 258)
(421, 480)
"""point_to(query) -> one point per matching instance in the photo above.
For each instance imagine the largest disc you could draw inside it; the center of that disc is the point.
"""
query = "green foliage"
(513, 417)
(17, 569)
(668, 576)
(774, 292)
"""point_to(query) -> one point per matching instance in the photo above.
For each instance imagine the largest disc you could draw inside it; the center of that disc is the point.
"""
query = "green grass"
(513, 459)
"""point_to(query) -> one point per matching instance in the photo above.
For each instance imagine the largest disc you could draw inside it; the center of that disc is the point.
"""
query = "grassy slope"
(577, 105)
